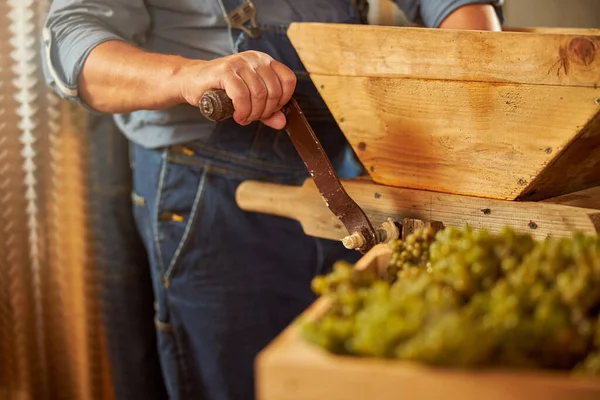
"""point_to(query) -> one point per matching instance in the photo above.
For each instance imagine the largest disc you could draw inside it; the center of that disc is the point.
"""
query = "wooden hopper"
(455, 126)
(503, 115)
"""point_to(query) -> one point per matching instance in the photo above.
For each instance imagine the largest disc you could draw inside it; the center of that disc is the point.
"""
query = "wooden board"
(553, 30)
(478, 139)
(381, 202)
(292, 369)
(421, 53)
(574, 168)
(588, 198)
(504, 115)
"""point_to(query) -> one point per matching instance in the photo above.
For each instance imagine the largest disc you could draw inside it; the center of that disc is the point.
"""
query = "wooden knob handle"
(215, 105)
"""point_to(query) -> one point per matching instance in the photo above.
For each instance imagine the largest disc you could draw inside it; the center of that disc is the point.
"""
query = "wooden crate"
(505, 115)
(292, 369)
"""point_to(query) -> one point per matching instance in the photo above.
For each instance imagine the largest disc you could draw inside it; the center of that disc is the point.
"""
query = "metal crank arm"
(215, 105)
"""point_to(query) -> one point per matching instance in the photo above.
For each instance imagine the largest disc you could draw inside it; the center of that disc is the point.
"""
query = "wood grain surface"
(303, 203)
(472, 138)
(564, 59)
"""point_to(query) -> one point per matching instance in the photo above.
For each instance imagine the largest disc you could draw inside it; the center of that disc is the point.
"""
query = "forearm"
(473, 17)
(120, 78)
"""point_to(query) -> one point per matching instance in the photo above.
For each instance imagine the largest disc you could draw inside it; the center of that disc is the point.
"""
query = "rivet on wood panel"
(521, 182)
(322, 86)
(486, 211)
(342, 119)
(597, 101)
(362, 146)
(372, 169)
(548, 150)
(377, 195)
(532, 225)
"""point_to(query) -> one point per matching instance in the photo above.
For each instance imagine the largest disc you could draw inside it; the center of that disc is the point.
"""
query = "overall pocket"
(180, 194)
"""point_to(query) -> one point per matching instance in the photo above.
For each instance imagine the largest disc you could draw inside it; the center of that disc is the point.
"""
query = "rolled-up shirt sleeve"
(73, 28)
(431, 13)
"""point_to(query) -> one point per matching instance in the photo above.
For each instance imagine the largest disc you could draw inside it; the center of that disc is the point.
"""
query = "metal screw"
(354, 241)
(391, 230)
(598, 101)
(532, 225)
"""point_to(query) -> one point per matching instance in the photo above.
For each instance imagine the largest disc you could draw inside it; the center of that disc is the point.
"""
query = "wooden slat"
(577, 167)
(471, 138)
(517, 57)
(553, 30)
(381, 202)
(588, 198)
(292, 369)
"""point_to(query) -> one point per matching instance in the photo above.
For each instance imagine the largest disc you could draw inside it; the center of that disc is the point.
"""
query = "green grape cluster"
(410, 253)
(468, 298)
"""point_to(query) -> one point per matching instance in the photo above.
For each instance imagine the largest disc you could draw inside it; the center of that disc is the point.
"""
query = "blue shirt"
(194, 29)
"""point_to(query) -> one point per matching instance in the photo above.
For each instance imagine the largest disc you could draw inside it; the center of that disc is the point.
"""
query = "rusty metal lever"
(215, 105)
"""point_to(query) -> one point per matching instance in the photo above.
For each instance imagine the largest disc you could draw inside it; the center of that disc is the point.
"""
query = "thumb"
(275, 121)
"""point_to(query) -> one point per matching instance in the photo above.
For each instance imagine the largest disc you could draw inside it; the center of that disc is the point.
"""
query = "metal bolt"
(391, 231)
(532, 225)
(354, 241)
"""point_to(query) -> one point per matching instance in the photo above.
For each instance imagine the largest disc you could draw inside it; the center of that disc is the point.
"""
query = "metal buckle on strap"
(239, 17)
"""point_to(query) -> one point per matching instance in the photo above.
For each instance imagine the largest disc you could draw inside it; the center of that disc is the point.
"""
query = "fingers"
(237, 90)
(275, 121)
(259, 93)
(258, 86)
(274, 91)
(287, 79)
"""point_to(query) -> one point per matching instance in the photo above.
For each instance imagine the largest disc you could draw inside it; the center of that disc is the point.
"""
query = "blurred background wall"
(553, 13)
(70, 258)
(518, 13)
(76, 306)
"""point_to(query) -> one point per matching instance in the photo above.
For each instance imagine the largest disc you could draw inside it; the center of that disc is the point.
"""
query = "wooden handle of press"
(268, 198)
(215, 105)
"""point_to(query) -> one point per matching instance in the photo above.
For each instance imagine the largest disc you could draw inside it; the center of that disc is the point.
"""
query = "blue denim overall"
(227, 281)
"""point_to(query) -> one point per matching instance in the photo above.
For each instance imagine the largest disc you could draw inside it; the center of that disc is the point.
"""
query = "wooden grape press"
(464, 127)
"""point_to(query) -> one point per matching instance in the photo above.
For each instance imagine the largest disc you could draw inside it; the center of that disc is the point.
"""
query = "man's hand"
(119, 78)
(257, 84)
